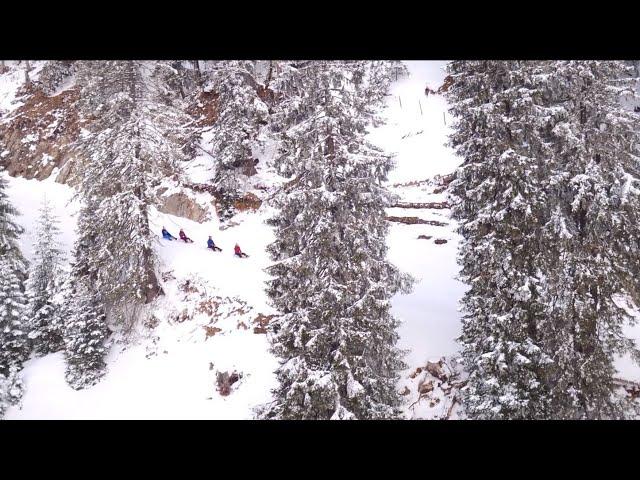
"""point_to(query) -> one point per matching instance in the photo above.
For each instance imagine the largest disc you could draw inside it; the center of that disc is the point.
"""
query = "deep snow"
(143, 381)
(168, 372)
(179, 384)
(430, 316)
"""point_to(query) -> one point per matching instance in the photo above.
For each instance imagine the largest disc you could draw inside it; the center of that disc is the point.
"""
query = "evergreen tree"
(372, 81)
(541, 325)
(54, 73)
(85, 333)
(336, 337)
(498, 201)
(11, 389)
(84, 307)
(591, 236)
(14, 344)
(135, 141)
(44, 284)
(240, 117)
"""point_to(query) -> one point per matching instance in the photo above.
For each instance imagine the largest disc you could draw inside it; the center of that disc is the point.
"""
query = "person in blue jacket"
(166, 235)
(212, 245)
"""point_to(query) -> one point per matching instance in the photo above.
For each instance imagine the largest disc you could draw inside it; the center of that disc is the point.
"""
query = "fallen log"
(441, 180)
(414, 221)
(431, 205)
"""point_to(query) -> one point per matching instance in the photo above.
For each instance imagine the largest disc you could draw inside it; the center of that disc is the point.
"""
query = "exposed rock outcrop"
(247, 202)
(40, 135)
(181, 205)
(205, 109)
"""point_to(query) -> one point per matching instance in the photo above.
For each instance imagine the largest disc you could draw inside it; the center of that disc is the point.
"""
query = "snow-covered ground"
(170, 370)
(166, 373)
(11, 82)
(415, 128)
(430, 314)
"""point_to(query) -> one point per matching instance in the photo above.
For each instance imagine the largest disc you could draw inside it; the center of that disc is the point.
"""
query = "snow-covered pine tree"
(46, 276)
(336, 338)
(85, 332)
(135, 142)
(372, 80)
(182, 78)
(591, 237)
(11, 389)
(14, 344)
(241, 115)
(547, 199)
(498, 199)
(54, 73)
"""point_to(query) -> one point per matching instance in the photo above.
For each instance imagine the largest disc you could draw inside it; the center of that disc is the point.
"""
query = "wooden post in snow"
(399, 100)
(419, 103)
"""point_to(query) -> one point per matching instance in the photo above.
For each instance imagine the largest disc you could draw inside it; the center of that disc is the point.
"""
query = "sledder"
(212, 245)
(184, 238)
(166, 235)
(238, 252)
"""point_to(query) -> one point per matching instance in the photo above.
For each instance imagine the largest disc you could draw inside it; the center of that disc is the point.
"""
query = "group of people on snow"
(210, 243)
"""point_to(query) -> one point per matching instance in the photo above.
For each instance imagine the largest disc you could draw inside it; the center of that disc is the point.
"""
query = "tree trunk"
(152, 288)
(269, 75)
(196, 67)
(27, 80)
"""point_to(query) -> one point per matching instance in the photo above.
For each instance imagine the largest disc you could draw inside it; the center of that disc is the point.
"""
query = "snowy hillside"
(213, 319)
(171, 371)
(168, 373)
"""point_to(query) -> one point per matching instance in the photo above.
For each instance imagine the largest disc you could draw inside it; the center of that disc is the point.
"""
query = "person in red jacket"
(238, 252)
(184, 238)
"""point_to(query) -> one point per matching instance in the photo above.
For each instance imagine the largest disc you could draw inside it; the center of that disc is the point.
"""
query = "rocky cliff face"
(39, 135)
(37, 139)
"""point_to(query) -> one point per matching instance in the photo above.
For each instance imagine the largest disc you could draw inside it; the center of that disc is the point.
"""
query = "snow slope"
(415, 127)
(430, 315)
(166, 373)
(11, 82)
(205, 322)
